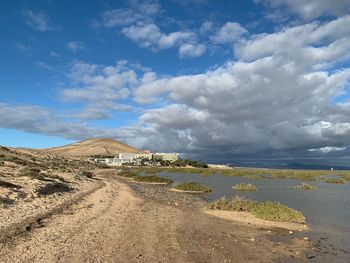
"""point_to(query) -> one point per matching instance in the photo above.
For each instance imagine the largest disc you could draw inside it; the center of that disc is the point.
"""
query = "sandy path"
(114, 225)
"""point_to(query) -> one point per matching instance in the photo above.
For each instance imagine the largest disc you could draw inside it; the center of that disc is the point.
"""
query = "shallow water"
(327, 209)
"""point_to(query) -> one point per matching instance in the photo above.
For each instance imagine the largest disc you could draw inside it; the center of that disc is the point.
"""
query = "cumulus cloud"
(137, 23)
(312, 9)
(191, 50)
(279, 97)
(102, 87)
(76, 45)
(228, 33)
(37, 21)
(150, 36)
(272, 99)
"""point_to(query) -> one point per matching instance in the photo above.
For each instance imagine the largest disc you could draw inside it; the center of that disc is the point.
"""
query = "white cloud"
(312, 9)
(37, 21)
(272, 99)
(302, 41)
(54, 54)
(137, 23)
(76, 45)
(228, 33)
(139, 11)
(101, 88)
(191, 50)
(276, 98)
(150, 36)
(327, 149)
(44, 65)
(206, 27)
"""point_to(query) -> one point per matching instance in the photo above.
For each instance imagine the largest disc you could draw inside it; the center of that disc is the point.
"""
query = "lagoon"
(327, 208)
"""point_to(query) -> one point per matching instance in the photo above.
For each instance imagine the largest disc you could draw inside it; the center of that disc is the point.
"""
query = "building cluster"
(138, 158)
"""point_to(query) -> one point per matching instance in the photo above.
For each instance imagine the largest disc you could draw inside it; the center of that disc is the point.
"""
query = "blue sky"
(229, 78)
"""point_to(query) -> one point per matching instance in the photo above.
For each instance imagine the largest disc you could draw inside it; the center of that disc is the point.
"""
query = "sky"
(215, 80)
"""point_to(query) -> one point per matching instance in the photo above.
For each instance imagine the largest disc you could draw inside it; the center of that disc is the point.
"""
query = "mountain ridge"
(91, 147)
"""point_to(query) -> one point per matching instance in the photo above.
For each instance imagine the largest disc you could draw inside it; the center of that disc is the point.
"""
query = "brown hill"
(100, 146)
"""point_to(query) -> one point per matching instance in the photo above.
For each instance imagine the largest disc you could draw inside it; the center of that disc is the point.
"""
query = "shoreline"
(184, 198)
(175, 223)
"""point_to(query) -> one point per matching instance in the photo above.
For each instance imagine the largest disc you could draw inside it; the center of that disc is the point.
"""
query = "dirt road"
(113, 224)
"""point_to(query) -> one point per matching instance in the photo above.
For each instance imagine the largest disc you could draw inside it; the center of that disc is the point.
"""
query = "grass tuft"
(244, 187)
(272, 211)
(193, 186)
(334, 181)
(53, 188)
(305, 186)
(6, 184)
(152, 179)
(87, 174)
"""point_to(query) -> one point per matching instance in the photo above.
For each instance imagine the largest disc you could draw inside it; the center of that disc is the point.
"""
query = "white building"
(135, 158)
(148, 156)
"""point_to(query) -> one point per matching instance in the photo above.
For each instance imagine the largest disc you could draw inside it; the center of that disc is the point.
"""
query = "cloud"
(139, 11)
(137, 23)
(273, 99)
(191, 50)
(228, 33)
(101, 88)
(278, 98)
(327, 149)
(24, 48)
(54, 54)
(36, 119)
(43, 65)
(311, 9)
(187, 3)
(76, 45)
(150, 36)
(206, 27)
(37, 21)
(301, 40)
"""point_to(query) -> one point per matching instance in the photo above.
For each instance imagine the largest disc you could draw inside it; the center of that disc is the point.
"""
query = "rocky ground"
(109, 219)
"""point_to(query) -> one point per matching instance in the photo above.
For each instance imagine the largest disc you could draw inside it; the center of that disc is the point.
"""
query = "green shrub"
(272, 211)
(127, 173)
(193, 186)
(244, 187)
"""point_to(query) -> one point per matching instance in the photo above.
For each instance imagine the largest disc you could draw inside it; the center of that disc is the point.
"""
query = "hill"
(91, 147)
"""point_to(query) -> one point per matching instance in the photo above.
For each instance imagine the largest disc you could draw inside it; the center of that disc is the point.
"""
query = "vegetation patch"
(244, 187)
(53, 188)
(152, 179)
(127, 173)
(334, 181)
(253, 173)
(304, 186)
(87, 174)
(36, 173)
(193, 187)
(5, 184)
(6, 201)
(272, 211)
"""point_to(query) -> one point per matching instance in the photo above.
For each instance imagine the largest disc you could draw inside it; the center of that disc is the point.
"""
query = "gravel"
(164, 195)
